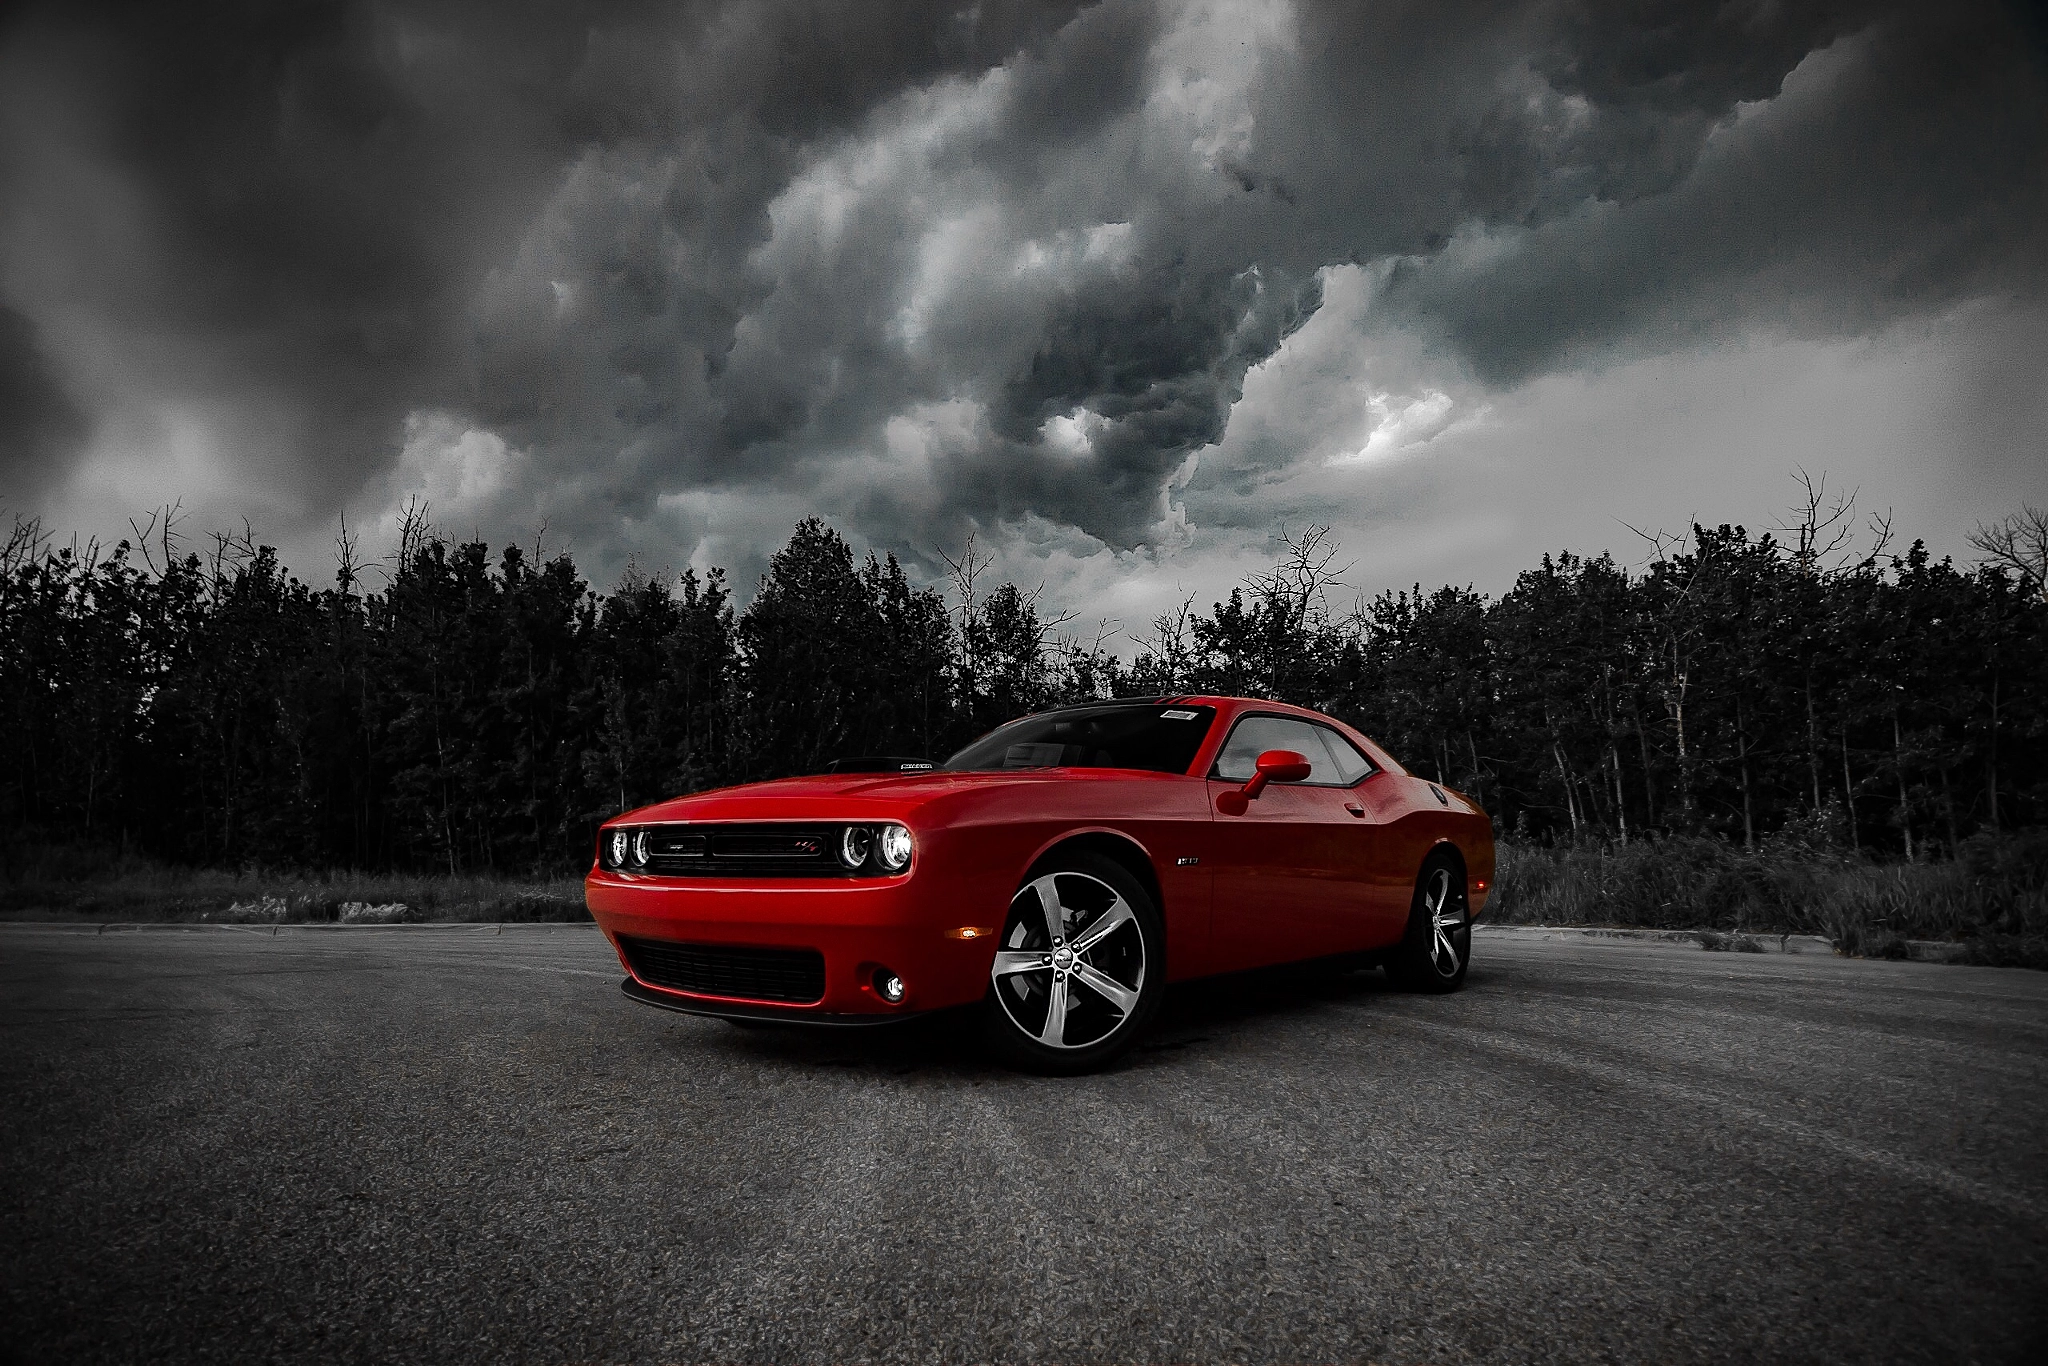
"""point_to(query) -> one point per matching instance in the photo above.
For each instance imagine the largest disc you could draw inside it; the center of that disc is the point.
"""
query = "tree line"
(484, 711)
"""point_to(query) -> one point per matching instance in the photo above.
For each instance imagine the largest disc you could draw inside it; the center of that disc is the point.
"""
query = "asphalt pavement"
(459, 1145)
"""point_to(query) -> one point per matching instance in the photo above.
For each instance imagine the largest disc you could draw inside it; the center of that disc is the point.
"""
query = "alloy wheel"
(1446, 923)
(1072, 964)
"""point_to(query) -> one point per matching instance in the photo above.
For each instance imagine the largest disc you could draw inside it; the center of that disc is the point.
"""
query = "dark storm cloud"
(40, 427)
(310, 206)
(1907, 168)
(934, 266)
(321, 191)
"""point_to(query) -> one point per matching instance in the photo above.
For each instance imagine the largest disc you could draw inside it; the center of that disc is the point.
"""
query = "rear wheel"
(1079, 970)
(1433, 955)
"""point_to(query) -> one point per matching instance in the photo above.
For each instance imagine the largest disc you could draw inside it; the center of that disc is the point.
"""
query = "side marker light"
(970, 932)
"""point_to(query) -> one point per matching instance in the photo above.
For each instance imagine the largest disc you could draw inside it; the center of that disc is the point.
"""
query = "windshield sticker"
(1176, 714)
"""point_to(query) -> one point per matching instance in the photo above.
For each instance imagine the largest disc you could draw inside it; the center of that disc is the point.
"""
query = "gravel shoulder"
(461, 1143)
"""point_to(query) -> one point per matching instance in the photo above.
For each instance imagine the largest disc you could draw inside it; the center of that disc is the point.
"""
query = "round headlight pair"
(888, 845)
(626, 848)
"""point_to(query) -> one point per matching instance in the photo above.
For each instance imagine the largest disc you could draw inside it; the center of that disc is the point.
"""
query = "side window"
(1333, 760)
(1254, 735)
(1351, 765)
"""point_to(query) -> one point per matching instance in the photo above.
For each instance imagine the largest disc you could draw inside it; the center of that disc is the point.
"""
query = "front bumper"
(861, 927)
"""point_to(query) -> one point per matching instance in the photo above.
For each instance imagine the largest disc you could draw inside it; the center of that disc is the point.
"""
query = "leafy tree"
(808, 646)
(486, 711)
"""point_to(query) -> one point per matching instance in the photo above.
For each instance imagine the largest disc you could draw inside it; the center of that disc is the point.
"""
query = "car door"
(1291, 876)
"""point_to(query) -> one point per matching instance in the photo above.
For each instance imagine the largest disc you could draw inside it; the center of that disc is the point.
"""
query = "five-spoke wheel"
(1438, 946)
(1079, 968)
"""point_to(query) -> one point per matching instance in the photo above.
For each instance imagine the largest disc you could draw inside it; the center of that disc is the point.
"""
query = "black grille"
(794, 975)
(746, 851)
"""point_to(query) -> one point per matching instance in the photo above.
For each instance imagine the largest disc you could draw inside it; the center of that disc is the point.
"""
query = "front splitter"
(722, 1010)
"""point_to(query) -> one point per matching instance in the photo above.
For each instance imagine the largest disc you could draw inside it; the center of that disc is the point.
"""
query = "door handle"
(1355, 809)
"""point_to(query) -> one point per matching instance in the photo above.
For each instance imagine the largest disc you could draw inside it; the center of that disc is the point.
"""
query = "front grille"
(745, 851)
(793, 975)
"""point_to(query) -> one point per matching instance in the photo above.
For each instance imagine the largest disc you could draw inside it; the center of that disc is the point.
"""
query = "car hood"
(851, 795)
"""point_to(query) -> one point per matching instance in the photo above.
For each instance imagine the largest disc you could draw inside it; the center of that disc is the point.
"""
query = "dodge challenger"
(1052, 877)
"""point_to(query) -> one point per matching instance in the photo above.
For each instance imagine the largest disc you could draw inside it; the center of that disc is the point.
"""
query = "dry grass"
(82, 884)
(1992, 897)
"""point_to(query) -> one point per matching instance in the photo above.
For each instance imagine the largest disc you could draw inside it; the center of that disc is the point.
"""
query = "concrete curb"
(1934, 951)
(1917, 950)
(1745, 943)
(271, 931)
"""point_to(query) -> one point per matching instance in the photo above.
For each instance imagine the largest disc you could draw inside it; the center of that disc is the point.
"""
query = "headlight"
(893, 848)
(616, 843)
(642, 846)
(854, 845)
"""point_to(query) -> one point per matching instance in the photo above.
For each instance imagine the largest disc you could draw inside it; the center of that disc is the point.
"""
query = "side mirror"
(1274, 766)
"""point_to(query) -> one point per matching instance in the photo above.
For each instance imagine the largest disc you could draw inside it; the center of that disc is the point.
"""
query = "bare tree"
(2018, 544)
(415, 530)
(1090, 668)
(1819, 527)
(540, 543)
(1676, 630)
(157, 539)
(1302, 578)
(1172, 642)
(348, 560)
(964, 571)
(1048, 627)
(1663, 545)
(232, 550)
(25, 544)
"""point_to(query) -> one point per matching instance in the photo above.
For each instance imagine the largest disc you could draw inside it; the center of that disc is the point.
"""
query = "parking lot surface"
(455, 1144)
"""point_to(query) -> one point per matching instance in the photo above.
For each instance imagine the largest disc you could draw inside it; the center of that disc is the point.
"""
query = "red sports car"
(1054, 875)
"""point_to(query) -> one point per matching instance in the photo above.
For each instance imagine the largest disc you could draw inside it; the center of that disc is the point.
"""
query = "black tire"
(1128, 957)
(1437, 948)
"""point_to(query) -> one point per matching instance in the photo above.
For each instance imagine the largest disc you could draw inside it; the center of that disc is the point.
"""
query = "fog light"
(890, 987)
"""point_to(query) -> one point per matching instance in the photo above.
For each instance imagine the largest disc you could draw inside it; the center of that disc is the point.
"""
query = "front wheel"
(1434, 953)
(1080, 968)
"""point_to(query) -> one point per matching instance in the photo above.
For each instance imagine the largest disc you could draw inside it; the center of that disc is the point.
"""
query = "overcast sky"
(1124, 289)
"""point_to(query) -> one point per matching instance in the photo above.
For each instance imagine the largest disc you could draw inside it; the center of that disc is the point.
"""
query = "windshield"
(1157, 736)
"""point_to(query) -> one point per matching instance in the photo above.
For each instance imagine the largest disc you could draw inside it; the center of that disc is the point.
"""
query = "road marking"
(1955, 1183)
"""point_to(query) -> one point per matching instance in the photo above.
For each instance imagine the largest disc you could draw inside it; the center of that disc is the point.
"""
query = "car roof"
(1189, 699)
